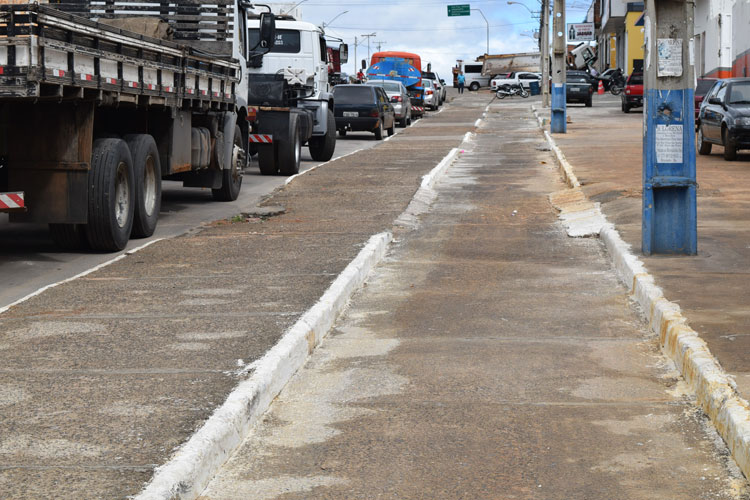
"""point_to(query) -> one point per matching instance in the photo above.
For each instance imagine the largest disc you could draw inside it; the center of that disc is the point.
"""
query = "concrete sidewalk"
(490, 357)
(104, 377)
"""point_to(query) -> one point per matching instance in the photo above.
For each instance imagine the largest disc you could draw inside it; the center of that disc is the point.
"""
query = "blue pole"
(669, 223)
(559, 119)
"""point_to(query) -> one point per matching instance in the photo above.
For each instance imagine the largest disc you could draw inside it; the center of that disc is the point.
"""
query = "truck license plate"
(351, 114)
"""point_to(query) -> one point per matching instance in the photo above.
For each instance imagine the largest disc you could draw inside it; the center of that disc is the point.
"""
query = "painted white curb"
(715, 390)
(188, 472)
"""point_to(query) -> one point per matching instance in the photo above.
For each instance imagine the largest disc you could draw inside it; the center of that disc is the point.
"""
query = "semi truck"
(290, 101)
(100, 100)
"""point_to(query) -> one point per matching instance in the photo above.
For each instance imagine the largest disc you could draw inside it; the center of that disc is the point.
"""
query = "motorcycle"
(511, 90)
(617, 82)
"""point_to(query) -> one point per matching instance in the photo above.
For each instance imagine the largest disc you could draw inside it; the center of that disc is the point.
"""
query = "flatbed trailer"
(92, 117)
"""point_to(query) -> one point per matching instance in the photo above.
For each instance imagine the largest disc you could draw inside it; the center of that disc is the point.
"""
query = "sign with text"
(581, 32)
(459, 10)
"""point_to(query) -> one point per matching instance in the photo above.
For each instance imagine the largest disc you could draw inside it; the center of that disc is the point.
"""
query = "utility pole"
(368, 44)
(379, 44)
(356, 68)
(669, 222)
(558, 122)
(544, 42)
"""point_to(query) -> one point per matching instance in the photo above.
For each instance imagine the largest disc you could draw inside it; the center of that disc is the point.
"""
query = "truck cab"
(289, 99)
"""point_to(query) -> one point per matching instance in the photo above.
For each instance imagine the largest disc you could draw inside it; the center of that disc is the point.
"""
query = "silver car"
(431, 94)
(399, 97)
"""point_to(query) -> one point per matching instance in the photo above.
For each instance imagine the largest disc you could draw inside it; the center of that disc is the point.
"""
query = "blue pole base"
(559, 119)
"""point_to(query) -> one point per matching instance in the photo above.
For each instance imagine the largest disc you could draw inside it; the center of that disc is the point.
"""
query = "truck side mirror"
(429, 67)
(343, 53)
(364, 64)
(267, 30)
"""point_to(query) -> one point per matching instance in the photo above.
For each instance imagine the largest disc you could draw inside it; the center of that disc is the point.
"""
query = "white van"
(474, 77)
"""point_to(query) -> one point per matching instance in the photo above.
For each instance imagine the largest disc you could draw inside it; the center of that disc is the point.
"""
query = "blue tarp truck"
(400, 69)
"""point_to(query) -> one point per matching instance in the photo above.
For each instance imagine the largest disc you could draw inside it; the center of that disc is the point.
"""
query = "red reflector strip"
(11, 201)
(203, 92)
(88, 77)
(58, 73)
(111, 81)
(2, 70)
(133, 84)
(261, 138)
(190, 91)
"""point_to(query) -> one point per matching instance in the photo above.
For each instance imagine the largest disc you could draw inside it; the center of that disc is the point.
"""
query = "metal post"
(488, 30)
(558, 122)
(669, 223)
(368, 45)
(544, 22)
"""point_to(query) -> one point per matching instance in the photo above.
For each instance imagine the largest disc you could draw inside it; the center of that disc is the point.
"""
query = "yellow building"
(620, 34)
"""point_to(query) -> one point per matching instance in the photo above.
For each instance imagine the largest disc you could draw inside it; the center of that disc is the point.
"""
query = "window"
(722, 92)
(287, 41)
(739, 93)
(356, 94)
(636, 79)
(473, 68)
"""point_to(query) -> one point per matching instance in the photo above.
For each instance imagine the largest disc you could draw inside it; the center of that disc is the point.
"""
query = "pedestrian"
(461, 81)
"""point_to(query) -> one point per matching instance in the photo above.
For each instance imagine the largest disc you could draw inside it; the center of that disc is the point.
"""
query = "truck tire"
(231, 178)
(474, 86)
(147, 182)
(267, 159)
(322, 148)
(111, 195)
(290, 152)
(69, 236)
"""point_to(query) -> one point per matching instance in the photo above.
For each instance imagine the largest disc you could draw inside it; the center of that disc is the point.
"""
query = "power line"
(463, 28)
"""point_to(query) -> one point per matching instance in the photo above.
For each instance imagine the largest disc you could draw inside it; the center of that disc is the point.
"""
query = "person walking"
(461, 81)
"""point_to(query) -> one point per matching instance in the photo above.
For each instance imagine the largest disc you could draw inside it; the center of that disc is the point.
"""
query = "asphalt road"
(29, 260)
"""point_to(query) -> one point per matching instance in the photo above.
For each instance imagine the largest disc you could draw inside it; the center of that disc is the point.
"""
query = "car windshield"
(577, 79)
(636, 79)
(387, 86)
(356, 94)
(740, 93)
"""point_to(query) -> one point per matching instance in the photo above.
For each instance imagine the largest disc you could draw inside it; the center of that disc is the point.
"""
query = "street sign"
(459, 10)
(581, 32)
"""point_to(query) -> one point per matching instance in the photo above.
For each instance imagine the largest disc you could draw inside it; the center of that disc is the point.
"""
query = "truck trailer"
(101, 100)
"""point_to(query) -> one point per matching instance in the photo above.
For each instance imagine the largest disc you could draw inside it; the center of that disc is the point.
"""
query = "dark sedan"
(724, 118)
(363, 108)
(579, 88)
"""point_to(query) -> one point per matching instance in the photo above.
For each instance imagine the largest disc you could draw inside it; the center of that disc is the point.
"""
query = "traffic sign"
(459, 10)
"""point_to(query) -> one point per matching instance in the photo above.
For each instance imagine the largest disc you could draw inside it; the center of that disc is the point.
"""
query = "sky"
(423, 27)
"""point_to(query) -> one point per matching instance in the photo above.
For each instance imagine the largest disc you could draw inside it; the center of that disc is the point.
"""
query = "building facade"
(619, 36)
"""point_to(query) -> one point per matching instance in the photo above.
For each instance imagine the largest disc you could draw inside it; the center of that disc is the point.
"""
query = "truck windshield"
(287, 41)
(356, 94)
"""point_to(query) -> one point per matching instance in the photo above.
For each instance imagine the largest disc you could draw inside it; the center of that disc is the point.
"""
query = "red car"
(632, 96)
(701, 89)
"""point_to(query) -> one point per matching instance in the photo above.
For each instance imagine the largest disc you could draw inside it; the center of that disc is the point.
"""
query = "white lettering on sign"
(669, 57)
(669, 144)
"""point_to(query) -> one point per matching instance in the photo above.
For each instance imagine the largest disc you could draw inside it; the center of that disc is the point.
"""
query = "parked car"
(399, 98)
(701, 89)
(579, 88)
(515, 78)
(632, 95)
(724, 118)
(431, 96)
(443, 86)
(363, 108)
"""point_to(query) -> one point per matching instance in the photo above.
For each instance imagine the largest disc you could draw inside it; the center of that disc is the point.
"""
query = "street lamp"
(533, 13)
(488, 31)
(332, 20)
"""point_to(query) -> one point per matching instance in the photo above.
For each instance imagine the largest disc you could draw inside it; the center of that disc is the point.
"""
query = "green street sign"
(459, 10)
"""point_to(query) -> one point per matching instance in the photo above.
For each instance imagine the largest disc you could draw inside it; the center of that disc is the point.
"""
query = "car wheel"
(589, 102)
(625, 107)
(392, 130)
(379, 131)
(474, 86)
(342, 132)
(704, 148)
(730, 149)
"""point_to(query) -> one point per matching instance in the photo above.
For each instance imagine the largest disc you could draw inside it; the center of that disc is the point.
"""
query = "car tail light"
(627, 91)
(374, 112)
(396, 98)
(428, 92)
